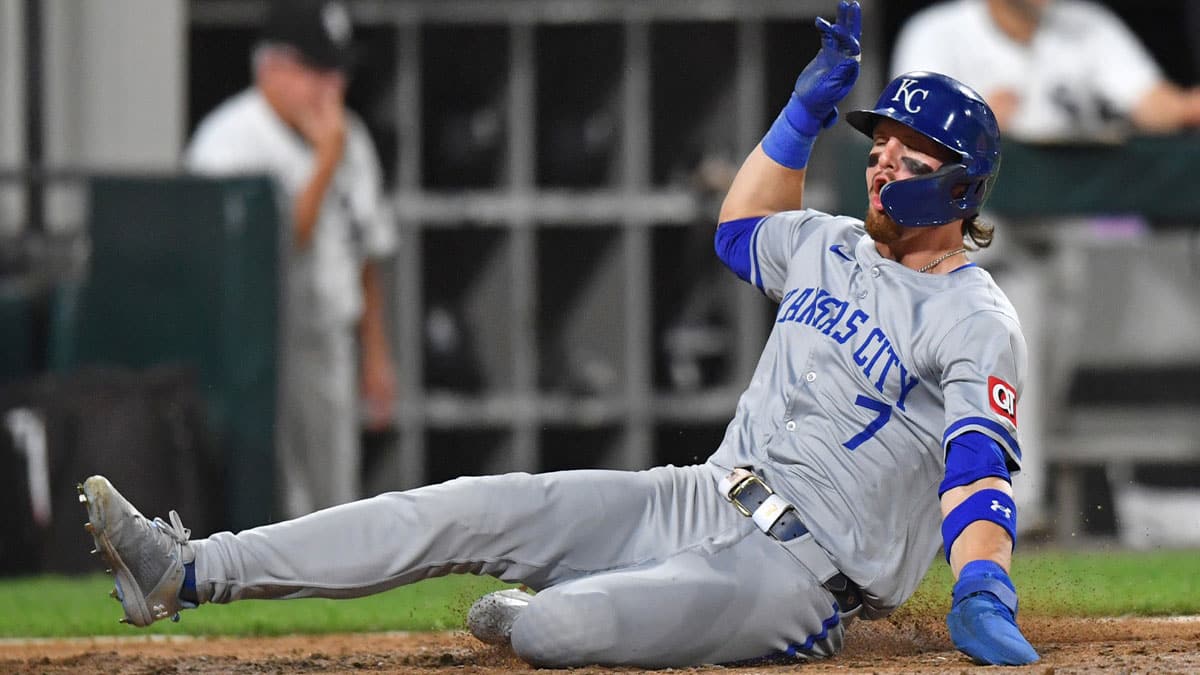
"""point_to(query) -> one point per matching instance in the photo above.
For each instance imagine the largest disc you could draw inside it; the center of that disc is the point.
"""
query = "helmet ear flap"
(972, 191)
(977, 191)
(933, 199)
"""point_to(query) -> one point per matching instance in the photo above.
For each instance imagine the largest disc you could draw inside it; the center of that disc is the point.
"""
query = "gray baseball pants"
(651, 568)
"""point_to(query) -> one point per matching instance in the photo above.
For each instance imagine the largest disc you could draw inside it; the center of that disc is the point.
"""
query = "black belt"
(749, 493)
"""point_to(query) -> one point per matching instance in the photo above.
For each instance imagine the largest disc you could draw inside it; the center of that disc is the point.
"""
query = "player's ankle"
(187, 592)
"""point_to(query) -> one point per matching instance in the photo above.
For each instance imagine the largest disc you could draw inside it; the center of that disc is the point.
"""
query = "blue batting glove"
(982, 620)
(830, 76)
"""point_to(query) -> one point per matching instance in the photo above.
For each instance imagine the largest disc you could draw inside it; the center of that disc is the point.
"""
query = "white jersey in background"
(1080, 76)
(245, 136)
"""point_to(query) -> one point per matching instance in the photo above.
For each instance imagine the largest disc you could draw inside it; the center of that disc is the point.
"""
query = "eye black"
(918, 167)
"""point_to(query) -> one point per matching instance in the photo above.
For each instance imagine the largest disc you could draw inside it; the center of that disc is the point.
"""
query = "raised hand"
(825, 81)
(831, 75)
(323, 124)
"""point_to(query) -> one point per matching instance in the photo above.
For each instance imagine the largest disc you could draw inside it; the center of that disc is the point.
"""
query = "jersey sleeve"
(220, 148)
(1129, 70)
(372, 213)
(983, 363)
(771, 245)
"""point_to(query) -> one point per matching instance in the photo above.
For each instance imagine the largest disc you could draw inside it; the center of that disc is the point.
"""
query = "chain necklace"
(942, 257)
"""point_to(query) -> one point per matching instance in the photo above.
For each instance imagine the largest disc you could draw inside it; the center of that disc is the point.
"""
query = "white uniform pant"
(317, 455)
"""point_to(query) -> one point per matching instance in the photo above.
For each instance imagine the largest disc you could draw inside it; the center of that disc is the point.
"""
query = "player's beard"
(881, 227)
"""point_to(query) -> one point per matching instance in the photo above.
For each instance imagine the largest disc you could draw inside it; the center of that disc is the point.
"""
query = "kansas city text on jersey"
(873, 351)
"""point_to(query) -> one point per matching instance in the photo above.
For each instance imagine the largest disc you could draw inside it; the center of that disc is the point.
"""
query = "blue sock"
(188, 592)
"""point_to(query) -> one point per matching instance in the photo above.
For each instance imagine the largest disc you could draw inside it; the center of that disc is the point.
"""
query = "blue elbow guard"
(734, 243)
(991, 505)
(971, 456)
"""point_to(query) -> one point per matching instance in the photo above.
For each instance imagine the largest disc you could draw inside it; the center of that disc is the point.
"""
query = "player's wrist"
(807, 118)
(790, 139)
(986, 577)
(328, 149)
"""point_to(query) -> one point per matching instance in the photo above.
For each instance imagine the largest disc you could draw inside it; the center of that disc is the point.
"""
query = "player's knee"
(560, 629)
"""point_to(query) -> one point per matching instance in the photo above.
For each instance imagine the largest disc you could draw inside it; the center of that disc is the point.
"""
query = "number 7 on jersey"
(883, 412)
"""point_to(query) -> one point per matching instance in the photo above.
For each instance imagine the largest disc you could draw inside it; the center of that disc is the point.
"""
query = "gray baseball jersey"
(870, 370)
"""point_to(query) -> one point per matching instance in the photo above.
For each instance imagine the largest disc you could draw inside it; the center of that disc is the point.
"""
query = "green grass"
(1092, 583)
(1055, 583)
(55, 606)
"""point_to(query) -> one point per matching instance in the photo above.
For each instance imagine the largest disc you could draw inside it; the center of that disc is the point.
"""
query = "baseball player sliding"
(880, 424)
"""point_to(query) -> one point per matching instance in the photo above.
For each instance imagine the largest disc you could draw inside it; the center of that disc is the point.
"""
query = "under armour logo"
(910, 94)
(159, 610)
(997, 506)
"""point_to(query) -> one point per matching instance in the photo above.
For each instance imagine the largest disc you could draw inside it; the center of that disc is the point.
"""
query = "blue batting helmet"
(953, 115)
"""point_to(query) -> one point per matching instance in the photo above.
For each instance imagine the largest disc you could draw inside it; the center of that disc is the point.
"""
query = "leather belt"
(778, 519)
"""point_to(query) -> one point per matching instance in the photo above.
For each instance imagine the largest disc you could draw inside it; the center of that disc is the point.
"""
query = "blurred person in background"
(1053, 71)
(293, 125)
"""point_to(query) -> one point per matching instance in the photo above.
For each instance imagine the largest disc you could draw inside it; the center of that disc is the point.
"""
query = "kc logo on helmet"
(1003, 398)
(910, 94)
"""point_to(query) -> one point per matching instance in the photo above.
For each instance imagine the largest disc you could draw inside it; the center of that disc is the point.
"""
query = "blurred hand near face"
(322, 121)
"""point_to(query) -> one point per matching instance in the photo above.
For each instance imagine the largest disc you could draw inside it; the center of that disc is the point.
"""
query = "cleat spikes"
(175, 618)
(138, 553)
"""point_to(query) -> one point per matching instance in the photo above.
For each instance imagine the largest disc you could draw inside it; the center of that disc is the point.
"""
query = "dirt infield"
(911, 645)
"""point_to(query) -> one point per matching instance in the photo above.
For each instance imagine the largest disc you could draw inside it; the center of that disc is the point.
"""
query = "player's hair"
(265, 49)
(976, 233)
(258, 55)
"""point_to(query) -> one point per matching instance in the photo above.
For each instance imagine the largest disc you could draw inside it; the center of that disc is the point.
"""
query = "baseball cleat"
(146, 557)
(491, 618)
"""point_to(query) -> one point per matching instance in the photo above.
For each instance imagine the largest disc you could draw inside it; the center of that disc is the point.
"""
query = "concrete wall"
(113, 86)
(12, 112)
